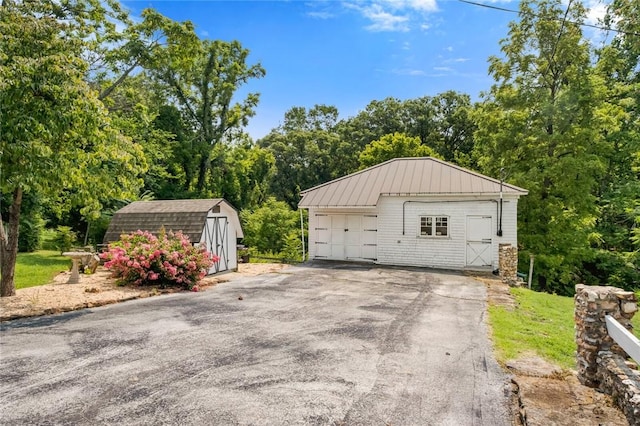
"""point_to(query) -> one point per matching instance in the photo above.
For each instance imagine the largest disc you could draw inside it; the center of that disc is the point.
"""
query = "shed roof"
(187, 216)
(406, 177)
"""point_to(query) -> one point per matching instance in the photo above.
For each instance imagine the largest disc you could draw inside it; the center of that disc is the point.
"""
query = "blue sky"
(348, 53)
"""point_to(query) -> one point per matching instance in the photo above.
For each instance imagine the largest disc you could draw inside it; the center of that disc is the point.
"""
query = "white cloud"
(394, 15)
(320, 15)
(425, 5)
(406, 45)
(408, 71)
(442, 69)
(596, 11)
(455, 60)
(449, 48)
(421, 5)
(383, 20)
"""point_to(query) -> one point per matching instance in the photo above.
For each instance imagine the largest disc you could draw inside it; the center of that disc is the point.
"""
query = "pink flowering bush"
(169, 260)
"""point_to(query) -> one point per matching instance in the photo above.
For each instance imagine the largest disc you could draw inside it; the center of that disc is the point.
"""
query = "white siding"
(396, 248)
(408, 249)
(231, 240)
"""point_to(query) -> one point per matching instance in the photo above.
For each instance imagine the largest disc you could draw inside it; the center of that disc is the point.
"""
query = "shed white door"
(479, 252)
(346, 237)
(216, 241)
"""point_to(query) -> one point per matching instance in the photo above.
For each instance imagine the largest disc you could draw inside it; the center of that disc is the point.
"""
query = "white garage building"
(413, 212)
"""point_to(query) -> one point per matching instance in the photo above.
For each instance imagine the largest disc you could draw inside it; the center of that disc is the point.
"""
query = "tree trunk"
(202, 173)
(9, 246)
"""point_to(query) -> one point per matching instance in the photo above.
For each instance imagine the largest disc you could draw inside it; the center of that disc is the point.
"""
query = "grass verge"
(39, 267)
(541, 323)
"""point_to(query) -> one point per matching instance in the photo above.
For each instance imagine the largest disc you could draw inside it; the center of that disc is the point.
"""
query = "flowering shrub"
(169, 260)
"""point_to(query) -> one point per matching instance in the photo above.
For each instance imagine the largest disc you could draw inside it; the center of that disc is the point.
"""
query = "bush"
(168, 260)
(31, 228)
(31, 224)
(268, 228)
(65, 239)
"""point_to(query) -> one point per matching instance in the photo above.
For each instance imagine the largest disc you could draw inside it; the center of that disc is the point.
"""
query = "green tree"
(307, 151)
(271, 227)
(56, 139)
(204, 85)
(442, 122)
(379, 118)
(244, 174)
(182, 166)
(615, 240)
(539, 122)
(452, 128)
(396, 145)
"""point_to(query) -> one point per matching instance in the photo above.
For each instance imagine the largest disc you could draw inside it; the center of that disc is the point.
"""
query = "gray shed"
(212, 223)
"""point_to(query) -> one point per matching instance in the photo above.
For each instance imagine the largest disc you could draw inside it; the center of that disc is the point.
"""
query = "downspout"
(304, 254)
(500, 213)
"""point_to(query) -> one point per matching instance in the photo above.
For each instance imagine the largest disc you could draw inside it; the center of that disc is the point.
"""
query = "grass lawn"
(542, 323)
(39, 267)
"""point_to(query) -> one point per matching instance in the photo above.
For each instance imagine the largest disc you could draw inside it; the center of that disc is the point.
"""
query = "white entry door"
(346, 237)
(479, 239)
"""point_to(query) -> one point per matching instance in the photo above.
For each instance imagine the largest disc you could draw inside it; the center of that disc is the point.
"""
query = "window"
(434, 226)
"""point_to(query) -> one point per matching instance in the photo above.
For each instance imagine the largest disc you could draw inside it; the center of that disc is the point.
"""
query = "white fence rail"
(624, 338)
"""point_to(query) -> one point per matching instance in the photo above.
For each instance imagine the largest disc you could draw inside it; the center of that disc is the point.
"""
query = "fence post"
(592, 304)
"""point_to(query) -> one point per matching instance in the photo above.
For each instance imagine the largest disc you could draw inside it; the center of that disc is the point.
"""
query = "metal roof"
(406, 177)
(187, 216)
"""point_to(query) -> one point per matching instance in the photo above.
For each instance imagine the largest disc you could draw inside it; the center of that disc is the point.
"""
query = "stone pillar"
(592, 303)
(508, 263)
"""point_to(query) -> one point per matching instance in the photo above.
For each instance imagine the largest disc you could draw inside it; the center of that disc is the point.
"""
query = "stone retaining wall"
(621, 382)
(601, 362)
(508, 263)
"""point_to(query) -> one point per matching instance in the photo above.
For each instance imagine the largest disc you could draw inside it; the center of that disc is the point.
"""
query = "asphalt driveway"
(326, 343)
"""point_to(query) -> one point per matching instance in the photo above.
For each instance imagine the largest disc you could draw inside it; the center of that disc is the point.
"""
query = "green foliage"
(541, 323)
(292, 251)
(244, 174)
(271, 227)
(396, 145)
(64, 239)
(57, 139)
(52, 118)
(442, 123)
(31, 224)
(204, 81)
(39, 268)
(30, 237)
(541, 123)
(133, 110)
(307, 152)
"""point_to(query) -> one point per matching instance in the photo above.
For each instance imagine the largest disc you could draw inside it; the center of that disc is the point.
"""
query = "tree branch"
(105, 93)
